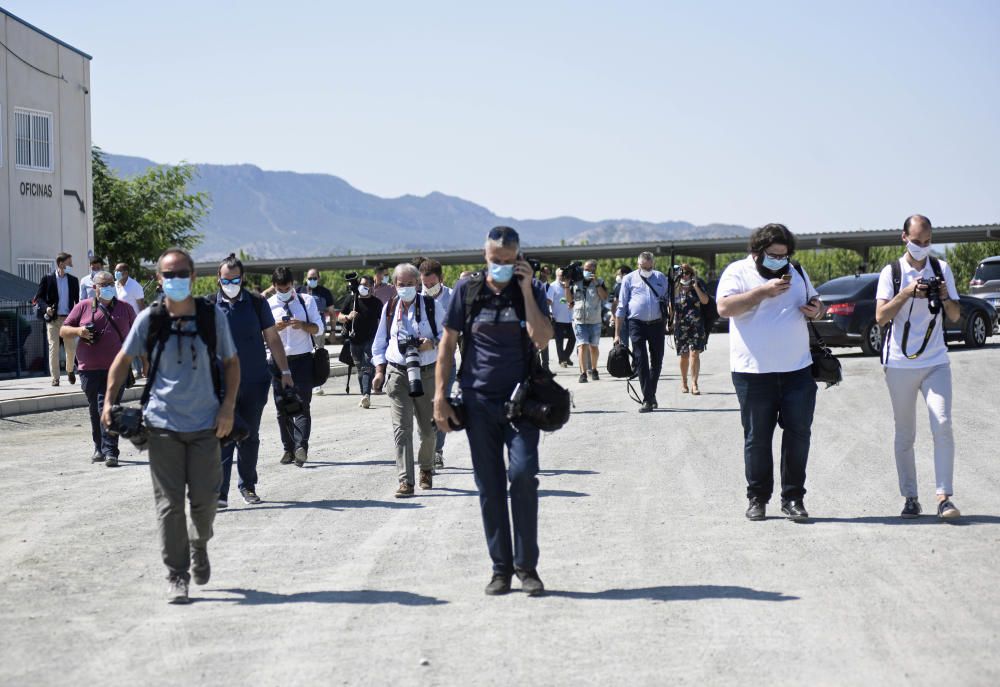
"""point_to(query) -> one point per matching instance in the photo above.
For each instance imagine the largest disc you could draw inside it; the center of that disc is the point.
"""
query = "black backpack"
(161, 329)
(390, 308)
(542, 386)
(897, 280)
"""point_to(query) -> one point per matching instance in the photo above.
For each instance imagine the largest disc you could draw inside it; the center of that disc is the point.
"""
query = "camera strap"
(896, 271)
(107, 314)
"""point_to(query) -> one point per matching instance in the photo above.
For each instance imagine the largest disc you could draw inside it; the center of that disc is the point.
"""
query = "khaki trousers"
(406, 411)
(52, 333)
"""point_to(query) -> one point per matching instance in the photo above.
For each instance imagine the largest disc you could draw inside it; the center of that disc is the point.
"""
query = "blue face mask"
(118, 276)
(774, 264)
(501, 273)
(407, 293)
(588, 275)
(313, 283)
(108, 292)
(285, 296)
(177, 288)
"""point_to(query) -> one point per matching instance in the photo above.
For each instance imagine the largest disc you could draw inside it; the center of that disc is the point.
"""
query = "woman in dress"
(689, 325)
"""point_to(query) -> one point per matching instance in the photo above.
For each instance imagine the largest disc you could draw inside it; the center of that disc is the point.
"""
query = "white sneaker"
(177, 591)
(366, 401)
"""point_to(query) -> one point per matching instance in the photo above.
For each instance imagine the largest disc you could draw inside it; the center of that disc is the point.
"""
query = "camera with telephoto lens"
(410, 347)
(573, 272)
(352, 282)
(127, 422)
(288, 402)
(933, 291)
(94, 334)
(520, 406)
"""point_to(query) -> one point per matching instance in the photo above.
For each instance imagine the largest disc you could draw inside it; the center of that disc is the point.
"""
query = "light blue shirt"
(183, 397)
(62, 284)
(636, 301)
(406, 325)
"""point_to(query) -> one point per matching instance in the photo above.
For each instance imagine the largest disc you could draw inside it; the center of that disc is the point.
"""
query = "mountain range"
(271, 214)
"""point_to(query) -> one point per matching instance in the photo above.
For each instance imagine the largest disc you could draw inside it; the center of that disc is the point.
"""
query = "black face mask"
(770, 274)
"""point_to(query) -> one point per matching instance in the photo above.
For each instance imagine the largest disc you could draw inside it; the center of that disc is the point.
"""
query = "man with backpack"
(502, 315)
(297, 320)
(252, 325)
(912, 292)
(185, 412)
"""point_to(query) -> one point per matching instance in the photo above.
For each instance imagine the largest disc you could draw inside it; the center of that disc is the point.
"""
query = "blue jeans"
(361, 352)
(439, 446)
(94, 384)
(785, 399)
(648, 363)
(250, 402)
(488, 432)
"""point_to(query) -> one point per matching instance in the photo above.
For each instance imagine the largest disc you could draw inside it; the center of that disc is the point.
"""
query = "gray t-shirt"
(183, 397)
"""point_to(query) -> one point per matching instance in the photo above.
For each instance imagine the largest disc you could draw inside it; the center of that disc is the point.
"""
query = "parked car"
(850, 318)
(985, 283)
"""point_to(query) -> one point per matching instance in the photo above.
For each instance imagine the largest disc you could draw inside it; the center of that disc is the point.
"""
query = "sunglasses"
(505, 234)
(236, 281)
(177, 274)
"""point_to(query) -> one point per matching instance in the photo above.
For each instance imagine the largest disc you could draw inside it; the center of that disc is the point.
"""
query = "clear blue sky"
(824, 116)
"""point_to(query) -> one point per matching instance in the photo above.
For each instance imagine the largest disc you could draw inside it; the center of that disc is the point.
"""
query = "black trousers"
(94, 384)
(565, 340)
(651, 335)
(295, 429)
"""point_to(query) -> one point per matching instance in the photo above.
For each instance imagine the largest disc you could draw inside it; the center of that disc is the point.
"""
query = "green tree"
(136, 219)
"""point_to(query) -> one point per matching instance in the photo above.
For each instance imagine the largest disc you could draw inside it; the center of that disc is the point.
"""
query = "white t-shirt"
(773, 335)
(296, 341)
(936, 352)
(561, 312)
(131, 292)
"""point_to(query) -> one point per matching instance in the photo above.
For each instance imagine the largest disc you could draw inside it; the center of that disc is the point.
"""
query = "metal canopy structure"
(707, 249)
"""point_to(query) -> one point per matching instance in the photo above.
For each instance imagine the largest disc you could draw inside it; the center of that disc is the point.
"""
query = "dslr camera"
(573, 272)
(520, 406)
(127, 422)
(933, 290)
(94, 334)
(410, 347)
(288, 402)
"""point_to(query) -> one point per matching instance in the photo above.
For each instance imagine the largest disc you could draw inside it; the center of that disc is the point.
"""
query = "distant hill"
(286, 214)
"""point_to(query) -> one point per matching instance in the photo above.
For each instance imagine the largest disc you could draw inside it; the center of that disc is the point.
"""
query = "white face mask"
(433, 291)
(231, 290)
(618, 279)
(645, 273)
(362, 290)
(407, 293)
(918, 252)
(686, 282)
(286, 296)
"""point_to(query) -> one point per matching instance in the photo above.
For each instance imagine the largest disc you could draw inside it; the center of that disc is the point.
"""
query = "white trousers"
(934, 383)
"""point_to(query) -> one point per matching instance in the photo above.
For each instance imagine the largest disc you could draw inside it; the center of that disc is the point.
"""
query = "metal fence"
(23, 345)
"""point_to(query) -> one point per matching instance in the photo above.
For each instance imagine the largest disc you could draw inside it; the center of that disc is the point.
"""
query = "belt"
(297, 356)
(402, 368)
(658, 319)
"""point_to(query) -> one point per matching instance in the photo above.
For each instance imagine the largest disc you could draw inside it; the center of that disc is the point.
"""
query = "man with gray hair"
(409, 322)
(639, 316)
(503, 316)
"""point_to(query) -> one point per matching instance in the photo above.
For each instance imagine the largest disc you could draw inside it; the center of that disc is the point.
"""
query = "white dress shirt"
(131, 292)
(404, 323)
(296, 341)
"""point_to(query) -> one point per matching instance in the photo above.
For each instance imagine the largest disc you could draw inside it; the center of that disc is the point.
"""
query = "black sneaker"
(287, 458)
(531, 583)
(757, 509)
(948, 511)
(111, 461)
(911, 509)
(201, 569)
(645, 407)
(583, 378)
(594, 375)
(249, 496)
(97, 457)
(301, 456)
(499, 584)
(795, 510)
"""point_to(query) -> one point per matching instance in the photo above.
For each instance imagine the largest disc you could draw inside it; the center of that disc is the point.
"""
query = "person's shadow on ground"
(254, 597)
(694, 592)
(325, 504)
(927, 519)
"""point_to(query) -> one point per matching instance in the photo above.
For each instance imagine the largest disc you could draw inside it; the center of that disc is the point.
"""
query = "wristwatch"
(286, 373)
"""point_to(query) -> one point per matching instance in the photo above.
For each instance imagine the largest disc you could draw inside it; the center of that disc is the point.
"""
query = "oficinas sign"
(36, 190)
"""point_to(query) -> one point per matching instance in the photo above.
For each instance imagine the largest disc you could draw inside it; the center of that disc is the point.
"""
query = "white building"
(46, 196)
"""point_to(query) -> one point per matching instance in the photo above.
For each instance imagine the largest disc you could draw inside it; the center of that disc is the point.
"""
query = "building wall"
(37, 219)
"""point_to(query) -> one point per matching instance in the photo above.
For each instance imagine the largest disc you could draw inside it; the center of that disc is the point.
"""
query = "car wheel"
(871, 340)
(976, 330)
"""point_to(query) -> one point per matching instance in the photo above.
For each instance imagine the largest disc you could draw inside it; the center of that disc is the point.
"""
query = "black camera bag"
(826, 366)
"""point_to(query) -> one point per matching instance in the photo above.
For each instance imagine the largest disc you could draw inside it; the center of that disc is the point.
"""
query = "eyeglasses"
(503, 234)
(177, 274)
(776, 257)
(235, 281)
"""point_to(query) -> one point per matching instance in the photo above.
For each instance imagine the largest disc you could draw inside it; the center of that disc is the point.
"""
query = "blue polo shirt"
(247, 324)
(183, 397)
(495, 353)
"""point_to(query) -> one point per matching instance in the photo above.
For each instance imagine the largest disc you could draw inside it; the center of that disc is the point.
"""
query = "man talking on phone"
(767, 303)
(503, 316)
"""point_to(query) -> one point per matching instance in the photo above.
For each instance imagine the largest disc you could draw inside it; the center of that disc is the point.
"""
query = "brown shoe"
(426, 479)
(405, 490)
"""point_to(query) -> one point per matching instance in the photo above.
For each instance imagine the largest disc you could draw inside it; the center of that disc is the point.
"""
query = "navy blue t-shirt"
(495, 353)
(247, 324)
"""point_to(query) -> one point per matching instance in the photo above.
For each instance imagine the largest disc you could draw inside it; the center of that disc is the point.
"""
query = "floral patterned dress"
(689, 327)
